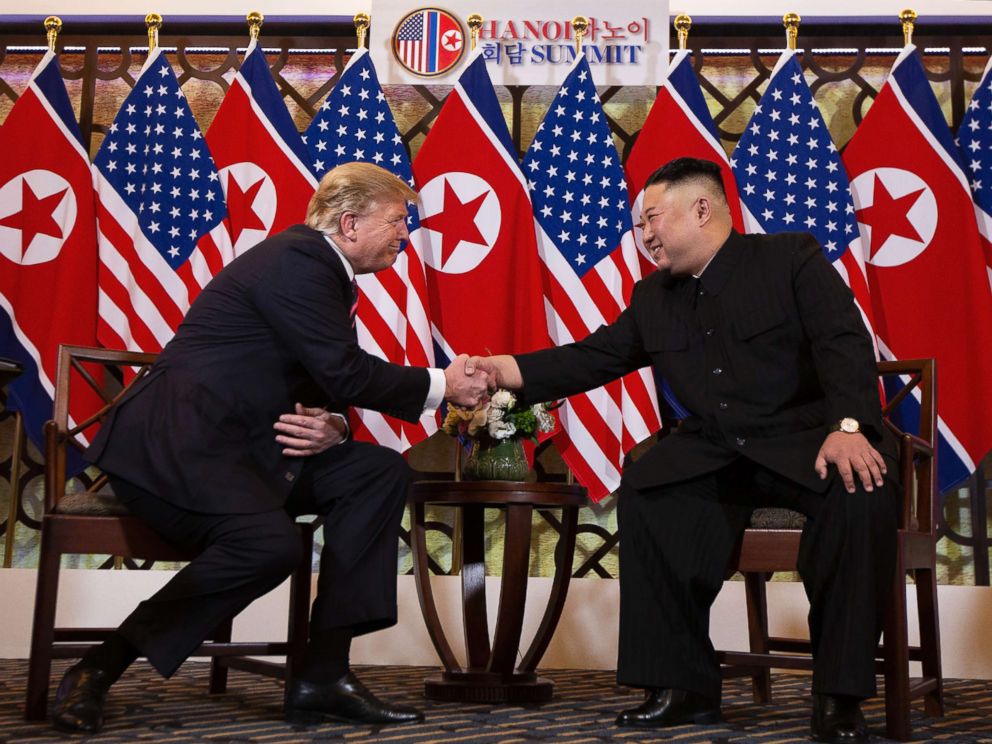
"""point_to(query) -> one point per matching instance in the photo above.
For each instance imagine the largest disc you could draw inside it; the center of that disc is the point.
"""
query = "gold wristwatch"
(847, 425)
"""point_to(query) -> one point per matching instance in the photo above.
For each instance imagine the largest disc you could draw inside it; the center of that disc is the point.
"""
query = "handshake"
(470, 380)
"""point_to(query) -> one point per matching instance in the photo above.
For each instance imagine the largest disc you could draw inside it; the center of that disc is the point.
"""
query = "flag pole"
(154, 22)
(255, 21)
(53, 24)
(362, 21)
(474, 22)
(580, 25)
(908, 19)
(791, 22)
(682, 25)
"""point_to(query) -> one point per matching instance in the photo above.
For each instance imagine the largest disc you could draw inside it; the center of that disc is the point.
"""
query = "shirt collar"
(344, 259)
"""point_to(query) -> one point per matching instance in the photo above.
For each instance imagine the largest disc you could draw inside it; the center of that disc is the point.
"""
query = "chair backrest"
(918, 450)
(99, 377)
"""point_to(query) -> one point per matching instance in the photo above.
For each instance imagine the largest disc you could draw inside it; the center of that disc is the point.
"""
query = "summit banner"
(523, 44)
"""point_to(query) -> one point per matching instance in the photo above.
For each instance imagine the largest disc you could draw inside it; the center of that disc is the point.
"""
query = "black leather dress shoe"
(79, 700)
(837, 719)
(346, 700)
(668, 707)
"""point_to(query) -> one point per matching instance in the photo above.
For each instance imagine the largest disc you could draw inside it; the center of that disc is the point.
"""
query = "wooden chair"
(775, 547)
(91, 521)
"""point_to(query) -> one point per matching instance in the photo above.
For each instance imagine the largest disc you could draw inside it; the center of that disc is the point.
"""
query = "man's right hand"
(503, 371)
(462, 387)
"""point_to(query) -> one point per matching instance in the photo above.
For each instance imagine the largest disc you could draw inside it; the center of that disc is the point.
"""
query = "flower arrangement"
(499, 419)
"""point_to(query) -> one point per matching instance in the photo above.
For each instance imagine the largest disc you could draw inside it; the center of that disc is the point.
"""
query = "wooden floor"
(143, 707)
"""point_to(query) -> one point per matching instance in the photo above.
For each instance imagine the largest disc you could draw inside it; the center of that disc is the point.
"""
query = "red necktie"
(354, 301)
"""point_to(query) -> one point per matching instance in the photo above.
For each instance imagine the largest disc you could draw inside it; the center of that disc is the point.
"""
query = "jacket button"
(290, 477)
(710, 331)
(717, 371)
(723, 406)
(741, 441)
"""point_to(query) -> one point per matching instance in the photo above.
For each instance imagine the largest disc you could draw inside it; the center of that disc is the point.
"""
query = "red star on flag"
(242, 215)
(888, 216)
(455, 221)
(36, 216)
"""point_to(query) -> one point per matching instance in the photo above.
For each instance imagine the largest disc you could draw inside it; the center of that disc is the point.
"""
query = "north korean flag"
(926, 269)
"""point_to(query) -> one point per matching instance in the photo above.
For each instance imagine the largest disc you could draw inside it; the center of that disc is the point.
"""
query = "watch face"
(850, 425)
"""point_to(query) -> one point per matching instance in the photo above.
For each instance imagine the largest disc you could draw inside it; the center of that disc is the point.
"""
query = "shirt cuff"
(344, 420)
(435, 393)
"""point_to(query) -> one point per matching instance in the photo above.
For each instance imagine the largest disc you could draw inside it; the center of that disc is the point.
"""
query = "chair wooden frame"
(764, 551)
(123, 536)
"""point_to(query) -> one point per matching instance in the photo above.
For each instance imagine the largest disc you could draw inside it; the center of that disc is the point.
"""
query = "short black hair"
(682, 170)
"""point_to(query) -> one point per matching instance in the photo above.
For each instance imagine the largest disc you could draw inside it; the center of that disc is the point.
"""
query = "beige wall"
(586, 636)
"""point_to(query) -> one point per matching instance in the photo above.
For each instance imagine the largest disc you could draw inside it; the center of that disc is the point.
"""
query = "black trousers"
(360, 489)
(675, 544)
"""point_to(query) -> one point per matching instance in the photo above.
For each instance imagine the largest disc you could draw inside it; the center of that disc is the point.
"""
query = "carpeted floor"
(143, 707)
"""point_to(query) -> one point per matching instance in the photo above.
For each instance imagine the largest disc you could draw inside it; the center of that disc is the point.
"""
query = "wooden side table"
(491, 675)
(10, 370)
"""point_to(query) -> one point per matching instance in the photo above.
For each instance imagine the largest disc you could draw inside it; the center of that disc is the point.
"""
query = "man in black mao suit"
(232, 434)
(759, 338)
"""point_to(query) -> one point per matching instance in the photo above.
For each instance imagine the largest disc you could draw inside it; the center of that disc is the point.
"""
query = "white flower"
(494, 414)
(545, 421)
(502, 429)
(503, 399)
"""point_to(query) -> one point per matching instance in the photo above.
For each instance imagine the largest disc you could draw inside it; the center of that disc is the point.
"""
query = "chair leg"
(43, 630)
(757, 630)
(926, 601)
(298, 622)
(896, 660)
(218, 669)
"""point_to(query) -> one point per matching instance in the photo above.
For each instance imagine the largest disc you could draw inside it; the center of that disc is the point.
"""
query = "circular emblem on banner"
(428, 42)
(251, 203)
(461, 216)
(37, 214)
(898, 210)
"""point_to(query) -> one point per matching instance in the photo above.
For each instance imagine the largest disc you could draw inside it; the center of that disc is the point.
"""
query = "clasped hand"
(465, 387)
(309, 431)
(852, 454)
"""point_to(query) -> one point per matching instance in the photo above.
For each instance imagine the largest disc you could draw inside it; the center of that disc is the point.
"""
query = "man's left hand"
(854, 457)
(309, 431)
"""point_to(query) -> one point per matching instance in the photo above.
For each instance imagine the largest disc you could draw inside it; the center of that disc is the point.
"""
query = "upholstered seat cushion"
(92, 503)
(776, 518)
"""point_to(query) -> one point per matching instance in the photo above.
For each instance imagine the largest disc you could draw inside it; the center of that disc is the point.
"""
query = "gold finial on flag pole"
(154, 22)
(474, 22)
(682, 25)
(255, 21)
(362, 21)
(791, 22)
(908, 18)
(53, 24)
(580, 25)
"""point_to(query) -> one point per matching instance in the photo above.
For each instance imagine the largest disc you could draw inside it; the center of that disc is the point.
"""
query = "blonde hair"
(353, 187)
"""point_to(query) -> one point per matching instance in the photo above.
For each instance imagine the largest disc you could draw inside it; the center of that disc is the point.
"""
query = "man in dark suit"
(760, 339)
(191, 449)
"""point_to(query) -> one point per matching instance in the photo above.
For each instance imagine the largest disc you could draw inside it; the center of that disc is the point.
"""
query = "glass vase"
(496, 459)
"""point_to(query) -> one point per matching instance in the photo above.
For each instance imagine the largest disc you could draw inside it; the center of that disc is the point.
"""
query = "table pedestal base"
(483, 687)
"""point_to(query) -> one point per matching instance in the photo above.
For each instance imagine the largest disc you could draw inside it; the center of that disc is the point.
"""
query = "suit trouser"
(360, 489)
(675, 545)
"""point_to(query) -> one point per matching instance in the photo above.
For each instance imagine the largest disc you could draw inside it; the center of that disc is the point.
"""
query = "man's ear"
(704, 210)
(347, 225)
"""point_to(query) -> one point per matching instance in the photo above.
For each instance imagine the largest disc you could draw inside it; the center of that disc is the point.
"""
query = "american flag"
(975, 141)
(355, 124)
(790, 176)
(586, 242)
(158, 198)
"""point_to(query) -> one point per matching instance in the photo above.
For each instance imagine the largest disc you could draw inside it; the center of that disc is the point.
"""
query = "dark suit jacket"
(770, 355)
(271, 329)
